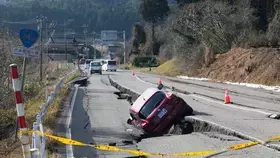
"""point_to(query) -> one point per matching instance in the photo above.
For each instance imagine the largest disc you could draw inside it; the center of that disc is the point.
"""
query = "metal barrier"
(39, 141)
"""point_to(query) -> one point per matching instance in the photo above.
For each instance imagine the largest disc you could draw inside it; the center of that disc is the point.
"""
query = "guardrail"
(39, 141)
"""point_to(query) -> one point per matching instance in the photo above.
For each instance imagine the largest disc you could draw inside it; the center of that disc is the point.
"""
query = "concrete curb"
(124, 89)
(200, 124)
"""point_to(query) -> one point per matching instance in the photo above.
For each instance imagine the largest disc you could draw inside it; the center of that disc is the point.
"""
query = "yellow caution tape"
(199, 153)
(106, 147)
(66, 140)
(138, 152)
(274, 139)
(142, 153)
(243, 145)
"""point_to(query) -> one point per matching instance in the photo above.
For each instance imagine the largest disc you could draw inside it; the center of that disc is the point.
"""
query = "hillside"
(219, 39)
(99, 15)
(256, 65)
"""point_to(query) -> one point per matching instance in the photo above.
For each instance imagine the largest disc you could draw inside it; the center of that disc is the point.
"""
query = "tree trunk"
(153, 39)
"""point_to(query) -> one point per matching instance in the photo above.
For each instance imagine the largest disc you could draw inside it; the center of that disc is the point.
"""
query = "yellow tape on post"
(62, 140)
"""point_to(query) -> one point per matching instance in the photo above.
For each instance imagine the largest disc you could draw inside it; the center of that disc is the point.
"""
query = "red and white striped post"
(24, 138)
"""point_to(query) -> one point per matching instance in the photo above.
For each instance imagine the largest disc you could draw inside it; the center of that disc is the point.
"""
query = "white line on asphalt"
(211, 100)
(138, 78)
(232, 106)
(69, 148)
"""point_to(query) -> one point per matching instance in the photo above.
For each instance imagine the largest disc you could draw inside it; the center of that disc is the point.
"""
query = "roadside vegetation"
(34, 94)
(207, 37)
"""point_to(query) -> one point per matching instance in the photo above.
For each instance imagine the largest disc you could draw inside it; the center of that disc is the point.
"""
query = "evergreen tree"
(153, 11)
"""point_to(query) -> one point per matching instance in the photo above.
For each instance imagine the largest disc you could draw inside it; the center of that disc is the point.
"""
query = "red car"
(155, 111)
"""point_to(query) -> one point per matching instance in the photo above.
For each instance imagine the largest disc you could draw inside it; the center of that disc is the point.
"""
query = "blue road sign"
(28, 37)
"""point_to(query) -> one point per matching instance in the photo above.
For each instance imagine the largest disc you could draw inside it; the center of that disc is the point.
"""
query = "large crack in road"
(201, 127)
(99, 117)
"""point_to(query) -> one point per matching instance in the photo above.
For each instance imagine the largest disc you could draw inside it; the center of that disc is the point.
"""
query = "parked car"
(87, 62)
(109, 65)
(95, 67)
(155, 111)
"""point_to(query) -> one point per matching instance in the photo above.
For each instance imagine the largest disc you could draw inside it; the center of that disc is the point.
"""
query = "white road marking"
(211, 100)
(232, 106)
(69, 148)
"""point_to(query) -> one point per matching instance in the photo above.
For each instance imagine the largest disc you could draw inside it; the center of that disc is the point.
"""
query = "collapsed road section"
(249, 122)
(204, 127)
(100, 115)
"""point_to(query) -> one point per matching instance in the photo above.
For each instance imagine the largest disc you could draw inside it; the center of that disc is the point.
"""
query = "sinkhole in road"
(190, 123)
(178, 128)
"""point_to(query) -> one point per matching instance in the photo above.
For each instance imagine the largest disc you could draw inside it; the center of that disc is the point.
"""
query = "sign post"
(28, 38)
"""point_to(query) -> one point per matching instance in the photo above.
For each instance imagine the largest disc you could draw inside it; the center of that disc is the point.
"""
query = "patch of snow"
(251, 85)
(193, 78)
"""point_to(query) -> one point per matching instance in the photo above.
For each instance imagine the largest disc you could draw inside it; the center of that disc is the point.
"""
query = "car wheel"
(129, 121)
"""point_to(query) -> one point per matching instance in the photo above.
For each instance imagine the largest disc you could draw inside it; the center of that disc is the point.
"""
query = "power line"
(31, 21)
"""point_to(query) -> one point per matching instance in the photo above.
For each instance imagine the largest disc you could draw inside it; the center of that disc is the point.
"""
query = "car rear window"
(112, 63)
(96, 64)
(151, 104)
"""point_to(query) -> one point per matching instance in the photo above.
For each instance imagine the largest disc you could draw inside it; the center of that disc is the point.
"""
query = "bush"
(145, 61)
(32, 89)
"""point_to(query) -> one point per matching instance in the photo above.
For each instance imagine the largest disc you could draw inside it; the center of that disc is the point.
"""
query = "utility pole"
(124, 53)
(85, 33)
(64, 24)
(41, 50)
(41, 19)
(94, 46)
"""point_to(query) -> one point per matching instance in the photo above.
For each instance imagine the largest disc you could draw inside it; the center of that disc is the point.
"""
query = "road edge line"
(69, 148)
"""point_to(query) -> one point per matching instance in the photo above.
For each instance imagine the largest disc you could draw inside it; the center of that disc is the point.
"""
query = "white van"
(95, 67)
(109, 65)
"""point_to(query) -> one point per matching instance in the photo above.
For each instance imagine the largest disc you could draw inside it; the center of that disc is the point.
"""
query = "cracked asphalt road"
(248, 122)
(100, 118)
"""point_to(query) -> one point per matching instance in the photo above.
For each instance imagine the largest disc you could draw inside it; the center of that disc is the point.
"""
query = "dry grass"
(36, 98)
(169, 68)
(71, 77)
(52, 114)
(256, 65)
(246, 65)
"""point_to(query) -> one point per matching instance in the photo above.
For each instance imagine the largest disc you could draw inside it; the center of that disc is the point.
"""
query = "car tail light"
(169, 95)
(144, 123)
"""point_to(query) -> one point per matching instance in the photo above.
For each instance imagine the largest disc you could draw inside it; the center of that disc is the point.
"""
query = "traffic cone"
(133, 73)
(159, 81)
(227, 97)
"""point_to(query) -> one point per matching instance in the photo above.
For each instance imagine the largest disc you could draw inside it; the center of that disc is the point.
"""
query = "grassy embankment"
(168, 68)
(255, 65)
(37, 97)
